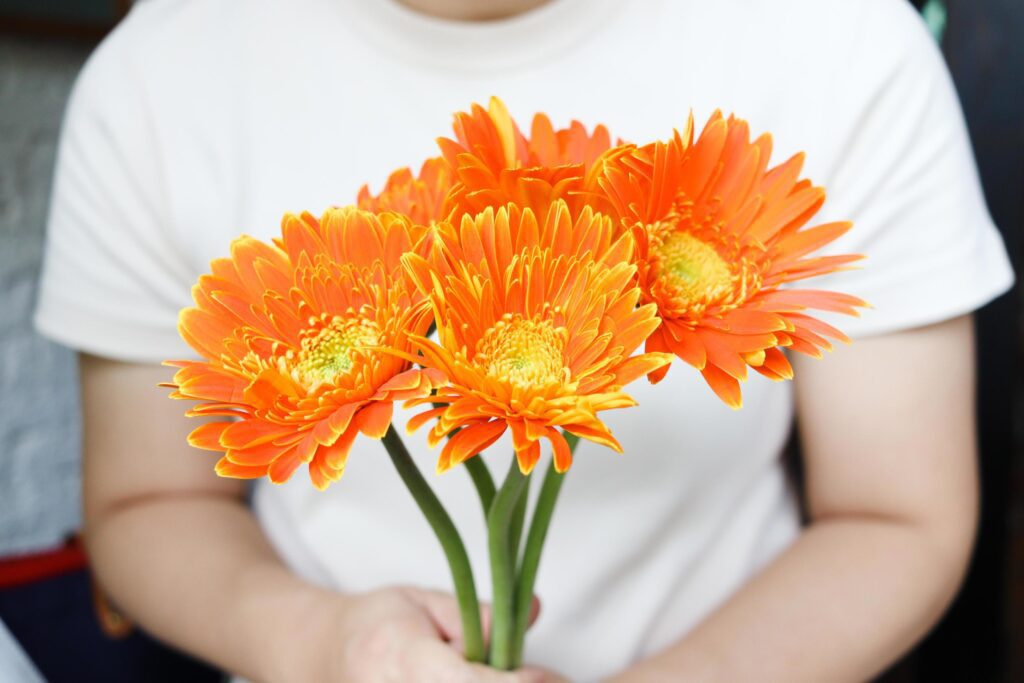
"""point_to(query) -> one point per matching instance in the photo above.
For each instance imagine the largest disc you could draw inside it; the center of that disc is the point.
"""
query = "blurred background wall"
(43, 44)
(982, 637)
(38, 406)
(83, 19)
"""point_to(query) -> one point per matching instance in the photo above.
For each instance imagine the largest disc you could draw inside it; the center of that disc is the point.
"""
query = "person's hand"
(398, 635)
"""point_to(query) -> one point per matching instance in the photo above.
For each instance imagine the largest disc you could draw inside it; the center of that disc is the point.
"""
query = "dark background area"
(982, 636)
(87, 20)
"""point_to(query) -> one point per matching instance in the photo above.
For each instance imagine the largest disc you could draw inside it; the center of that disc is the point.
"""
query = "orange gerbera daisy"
(718, 234)
(294, 337)
(536, 326)
(496, 164)
(418, 197)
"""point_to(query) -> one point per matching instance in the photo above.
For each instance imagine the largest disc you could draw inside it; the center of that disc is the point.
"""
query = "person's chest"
(296, 111)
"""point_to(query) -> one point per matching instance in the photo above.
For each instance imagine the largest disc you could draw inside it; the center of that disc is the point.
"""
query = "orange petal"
(327, 431)
(417, 421)
(226, 468)
(593, 433)
(261, 455)
(528, 457)
(207, 436)
(307, 447)
(336, 455)
(322, 475)
(404, 381)
(375, 418)
(686, 344)
(210, 385)
(535, 429)
(561, 452)
(645, 364)
(284, 466)
(252, 432)
(776, 366)
(725, 386)
(656, 344)
(749, 321)
(520, 440)
(469, 442)
(268, 387)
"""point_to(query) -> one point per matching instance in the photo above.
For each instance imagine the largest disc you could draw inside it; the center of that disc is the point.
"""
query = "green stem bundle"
(527, 574)
(451, 543)
(499, 523)
(512, 582)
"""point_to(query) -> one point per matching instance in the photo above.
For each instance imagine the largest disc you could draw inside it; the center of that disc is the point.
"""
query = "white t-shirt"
(198, 120)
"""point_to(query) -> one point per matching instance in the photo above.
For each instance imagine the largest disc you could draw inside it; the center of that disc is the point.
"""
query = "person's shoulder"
(151, 70)
(843, 29)
(152, 26)
(808, 40)
(863, 34)
(829, 30)
(852, 49)
(156, 38)
(828, 18)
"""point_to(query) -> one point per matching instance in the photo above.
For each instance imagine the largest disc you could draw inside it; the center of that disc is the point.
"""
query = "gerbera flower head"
(294, 338)
(419, 197)
(495, 164)
(537, 322)
(718, 235)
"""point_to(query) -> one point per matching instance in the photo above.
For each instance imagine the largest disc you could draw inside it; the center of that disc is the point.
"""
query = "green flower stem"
(451, 542)
(503, 567)
(527, 575)
(482, 480)
(515, 529)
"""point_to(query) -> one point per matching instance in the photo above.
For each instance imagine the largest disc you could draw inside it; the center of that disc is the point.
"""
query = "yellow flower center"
(693, 268)
(330, 352)
(523, 352)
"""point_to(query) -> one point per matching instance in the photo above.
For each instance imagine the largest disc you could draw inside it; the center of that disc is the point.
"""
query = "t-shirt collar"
(543, 33)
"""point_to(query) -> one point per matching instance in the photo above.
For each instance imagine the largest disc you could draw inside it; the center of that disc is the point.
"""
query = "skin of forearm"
(173, 545)
(155, 557)
(843, 602)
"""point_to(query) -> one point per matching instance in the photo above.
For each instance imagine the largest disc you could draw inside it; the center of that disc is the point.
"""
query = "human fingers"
(485, 674)
(534, 611)
(443, 610)
(543, 675)
(431, 661)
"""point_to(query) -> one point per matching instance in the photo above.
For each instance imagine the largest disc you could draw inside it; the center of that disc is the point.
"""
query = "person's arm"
(887, 427)
(178, 550)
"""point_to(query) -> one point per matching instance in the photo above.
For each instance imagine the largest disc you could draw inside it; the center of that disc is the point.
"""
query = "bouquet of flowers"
(544, 263)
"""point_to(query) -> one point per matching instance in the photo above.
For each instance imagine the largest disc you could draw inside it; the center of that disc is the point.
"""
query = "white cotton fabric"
(198, 120)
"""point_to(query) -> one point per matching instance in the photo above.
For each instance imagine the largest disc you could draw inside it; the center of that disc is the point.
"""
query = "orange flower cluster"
(545, 262)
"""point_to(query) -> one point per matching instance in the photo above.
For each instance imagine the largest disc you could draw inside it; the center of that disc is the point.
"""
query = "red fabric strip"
(22, 569)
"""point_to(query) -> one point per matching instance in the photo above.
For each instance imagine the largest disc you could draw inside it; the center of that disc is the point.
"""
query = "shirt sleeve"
(113, 278)
(907, 178)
